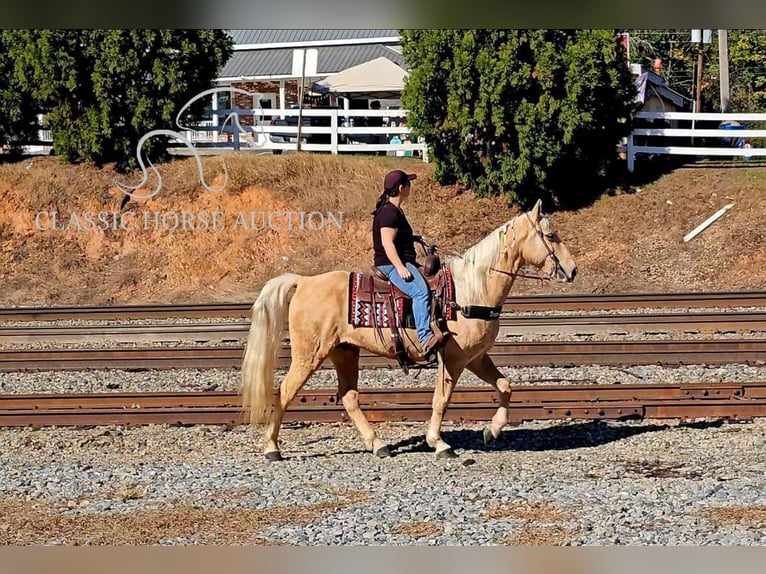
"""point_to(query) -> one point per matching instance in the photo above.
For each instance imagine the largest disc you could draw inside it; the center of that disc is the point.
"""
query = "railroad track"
(739, 401)
(505, 354)
(654, 323)
(512, 304)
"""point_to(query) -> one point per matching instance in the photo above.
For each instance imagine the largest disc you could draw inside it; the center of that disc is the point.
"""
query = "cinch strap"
(480, 312)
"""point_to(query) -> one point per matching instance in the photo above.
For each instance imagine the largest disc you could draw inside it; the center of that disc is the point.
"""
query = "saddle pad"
(360, 313)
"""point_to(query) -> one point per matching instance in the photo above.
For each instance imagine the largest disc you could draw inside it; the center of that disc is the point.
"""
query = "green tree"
(747, 65)
(530, 113)
(18, 121)
(747, 72)
(102, 90)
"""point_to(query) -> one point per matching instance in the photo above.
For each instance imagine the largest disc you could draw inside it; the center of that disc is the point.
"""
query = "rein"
(551, 254)
(539, 278)
(491, 313)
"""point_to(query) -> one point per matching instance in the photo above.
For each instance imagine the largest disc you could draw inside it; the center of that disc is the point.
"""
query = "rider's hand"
(404, 273)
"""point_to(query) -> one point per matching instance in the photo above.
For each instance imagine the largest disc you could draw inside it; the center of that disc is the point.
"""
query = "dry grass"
(131, 492)
(538, 511)
(417, 529)
(749, 516)
(537, 523)
(35, 523)
(623, 243)
(529, 535)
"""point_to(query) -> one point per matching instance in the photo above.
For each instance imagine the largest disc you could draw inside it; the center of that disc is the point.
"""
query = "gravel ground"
(541, 483)
(641, 311)
(112, 344)
(120, 322)
(193, 321)
(506, 335)
(228, 379)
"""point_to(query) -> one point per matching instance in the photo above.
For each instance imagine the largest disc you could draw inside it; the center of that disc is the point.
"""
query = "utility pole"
(723, 61)
(300, 99)
(699, 78)
(700, 37)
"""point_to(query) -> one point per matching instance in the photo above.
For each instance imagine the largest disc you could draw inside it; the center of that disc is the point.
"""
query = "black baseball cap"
(396, 178)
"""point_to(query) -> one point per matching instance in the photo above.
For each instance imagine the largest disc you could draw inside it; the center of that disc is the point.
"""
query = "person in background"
(376, 122)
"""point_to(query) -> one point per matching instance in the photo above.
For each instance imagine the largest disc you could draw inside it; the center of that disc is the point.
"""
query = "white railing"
(261, 136)
(724, 134)
(203, 135)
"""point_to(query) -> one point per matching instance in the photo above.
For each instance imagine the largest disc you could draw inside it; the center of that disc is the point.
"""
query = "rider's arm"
(387, 235)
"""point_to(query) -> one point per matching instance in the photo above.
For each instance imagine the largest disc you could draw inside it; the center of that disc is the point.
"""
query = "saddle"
(376, 302)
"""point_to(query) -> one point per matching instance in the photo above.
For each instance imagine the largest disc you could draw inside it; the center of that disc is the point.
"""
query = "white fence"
(226, 132)
(725, 135)
(272, 131)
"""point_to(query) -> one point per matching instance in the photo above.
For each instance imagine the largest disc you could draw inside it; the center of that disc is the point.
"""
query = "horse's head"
(540, 246)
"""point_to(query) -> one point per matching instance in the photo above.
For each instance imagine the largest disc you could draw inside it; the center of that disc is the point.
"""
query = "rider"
(394, 246)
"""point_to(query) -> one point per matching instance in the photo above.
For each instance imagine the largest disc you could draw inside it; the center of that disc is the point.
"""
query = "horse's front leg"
(449, 370)
(483, 367)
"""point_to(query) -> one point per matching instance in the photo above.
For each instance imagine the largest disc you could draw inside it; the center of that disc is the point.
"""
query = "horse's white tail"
(269, 314)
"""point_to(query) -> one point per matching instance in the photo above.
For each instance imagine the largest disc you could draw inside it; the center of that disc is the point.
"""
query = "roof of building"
(274, 38)
(646, 77)
(276, 63)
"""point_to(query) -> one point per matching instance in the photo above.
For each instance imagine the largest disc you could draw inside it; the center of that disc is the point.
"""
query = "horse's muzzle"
(562, 277)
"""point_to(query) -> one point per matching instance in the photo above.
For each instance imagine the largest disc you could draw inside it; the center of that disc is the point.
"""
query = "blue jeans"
(418, 290)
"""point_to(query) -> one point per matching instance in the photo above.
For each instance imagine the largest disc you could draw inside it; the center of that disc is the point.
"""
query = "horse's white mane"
(471, 271)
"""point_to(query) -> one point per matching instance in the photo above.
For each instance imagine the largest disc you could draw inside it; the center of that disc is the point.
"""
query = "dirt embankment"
(148, 253)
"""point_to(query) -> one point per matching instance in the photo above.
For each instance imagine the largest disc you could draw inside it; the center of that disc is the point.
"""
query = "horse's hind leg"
(483, 367)
(302, 367)
(346, 361)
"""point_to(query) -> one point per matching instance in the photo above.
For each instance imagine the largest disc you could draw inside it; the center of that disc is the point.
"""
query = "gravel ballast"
(541, 483)
(176, 380)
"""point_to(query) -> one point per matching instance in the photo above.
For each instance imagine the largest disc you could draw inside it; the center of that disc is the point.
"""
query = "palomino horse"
(319, 328)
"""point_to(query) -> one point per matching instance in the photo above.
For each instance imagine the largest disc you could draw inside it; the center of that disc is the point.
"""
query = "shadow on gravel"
(565, 437)
(326, 454)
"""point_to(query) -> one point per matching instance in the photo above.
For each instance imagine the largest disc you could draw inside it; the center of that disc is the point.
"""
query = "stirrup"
(432, 357)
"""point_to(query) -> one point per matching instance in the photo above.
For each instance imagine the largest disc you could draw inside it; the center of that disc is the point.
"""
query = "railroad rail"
(504, 354)
(736, 401)
(704, 322)
(519, 303)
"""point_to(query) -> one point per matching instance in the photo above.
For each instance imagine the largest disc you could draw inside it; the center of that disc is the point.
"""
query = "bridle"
(556, 263)
(539, 232)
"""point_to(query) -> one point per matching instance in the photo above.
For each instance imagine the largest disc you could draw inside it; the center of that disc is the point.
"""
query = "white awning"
(378, 78)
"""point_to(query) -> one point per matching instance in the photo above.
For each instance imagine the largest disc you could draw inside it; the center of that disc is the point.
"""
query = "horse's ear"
(536, 211)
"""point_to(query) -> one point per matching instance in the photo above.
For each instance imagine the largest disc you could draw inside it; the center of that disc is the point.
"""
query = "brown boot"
(430, 347)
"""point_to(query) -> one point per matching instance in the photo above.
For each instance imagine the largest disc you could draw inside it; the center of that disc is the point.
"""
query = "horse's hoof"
(446, 453)
(383, 452)
(273, 456)
(489, 438)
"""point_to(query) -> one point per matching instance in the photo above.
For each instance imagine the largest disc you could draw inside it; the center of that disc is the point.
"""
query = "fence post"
(334, 132)
(631, 164)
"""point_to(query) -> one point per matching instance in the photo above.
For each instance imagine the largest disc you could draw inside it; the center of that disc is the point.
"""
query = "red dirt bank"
(623, 243)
